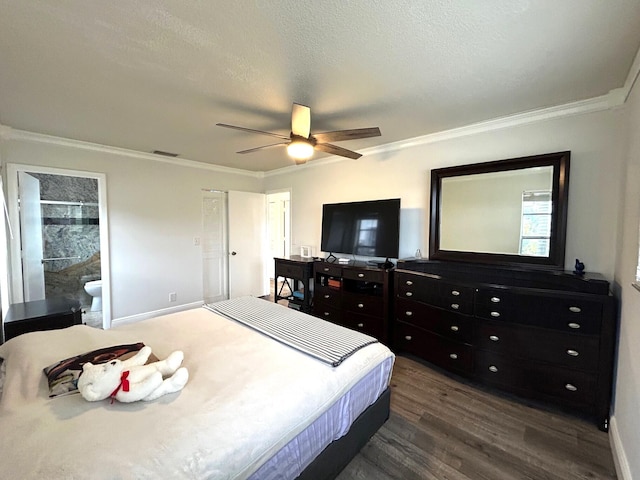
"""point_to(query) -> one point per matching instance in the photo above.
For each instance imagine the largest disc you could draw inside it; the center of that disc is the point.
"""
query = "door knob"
(233, 253)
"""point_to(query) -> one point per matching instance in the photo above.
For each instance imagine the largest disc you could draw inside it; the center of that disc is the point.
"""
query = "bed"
(257, 404)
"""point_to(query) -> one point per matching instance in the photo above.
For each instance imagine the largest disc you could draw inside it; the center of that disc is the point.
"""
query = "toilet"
(94, 289)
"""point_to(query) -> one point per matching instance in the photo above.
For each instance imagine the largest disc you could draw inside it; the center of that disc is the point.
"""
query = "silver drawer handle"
(409, 294)
(455, 306)
(571, 388)
(360, 305)
(574, 325)
(453, 356)
(360, 275)
(573, 353)
(327, 296)
(495, 314)
(495, 299)
(493, 368)
(408, 314)
(409, 282)
(326, 314)
(360, 325)
(326, 269)
(494, 338)
(455, 293)
(575, 309)
(408, 337)
(454, 328)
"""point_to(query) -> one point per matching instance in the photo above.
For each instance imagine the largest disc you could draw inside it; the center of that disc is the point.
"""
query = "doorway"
(233, 253)
(60, 248)
(279, 230)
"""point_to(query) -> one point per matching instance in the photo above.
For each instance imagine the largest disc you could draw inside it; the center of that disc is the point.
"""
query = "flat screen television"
(370, 228)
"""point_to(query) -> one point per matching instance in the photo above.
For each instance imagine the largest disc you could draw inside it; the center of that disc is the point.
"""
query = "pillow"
(63, 376)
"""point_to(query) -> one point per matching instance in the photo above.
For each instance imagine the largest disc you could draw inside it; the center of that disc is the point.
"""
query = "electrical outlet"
(196, 241)
(173, 297)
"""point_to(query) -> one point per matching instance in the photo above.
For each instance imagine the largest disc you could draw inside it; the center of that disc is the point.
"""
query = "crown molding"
(613, 99)
(604, 102)
(8, 133)
(632, 77)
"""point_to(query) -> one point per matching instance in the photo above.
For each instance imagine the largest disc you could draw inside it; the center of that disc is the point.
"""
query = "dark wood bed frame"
(338, 454)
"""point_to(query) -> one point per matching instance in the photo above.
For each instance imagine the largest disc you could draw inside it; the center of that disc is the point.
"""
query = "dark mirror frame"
(559, 199)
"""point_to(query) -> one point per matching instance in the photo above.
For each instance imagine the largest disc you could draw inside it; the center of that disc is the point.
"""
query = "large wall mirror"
(507, 212)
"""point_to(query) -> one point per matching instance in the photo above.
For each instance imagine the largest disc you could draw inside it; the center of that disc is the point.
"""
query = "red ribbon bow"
(124, 385)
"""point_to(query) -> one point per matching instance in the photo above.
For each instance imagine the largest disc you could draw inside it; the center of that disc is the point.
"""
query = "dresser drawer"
(364, 275)
(566, 386)
(492, 302)
(363, 304)
(328, 269)
(433, 348)
(289, 270)
(568, 314)
(436, 292)
(327, 311)
(327, 295)
(455, 326)
(565, 349)
(366, 324)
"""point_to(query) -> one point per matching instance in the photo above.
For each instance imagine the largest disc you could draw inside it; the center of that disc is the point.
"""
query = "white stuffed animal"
(131, 380)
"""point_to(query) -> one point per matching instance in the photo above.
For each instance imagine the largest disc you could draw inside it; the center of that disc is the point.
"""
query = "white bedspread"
(247, 397)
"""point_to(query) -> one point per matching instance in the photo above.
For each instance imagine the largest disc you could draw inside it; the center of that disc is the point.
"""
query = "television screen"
(370, 229)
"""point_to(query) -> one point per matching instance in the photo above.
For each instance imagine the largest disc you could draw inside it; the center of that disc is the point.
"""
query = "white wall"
(625, 423)
(596, 142)
(154, 213)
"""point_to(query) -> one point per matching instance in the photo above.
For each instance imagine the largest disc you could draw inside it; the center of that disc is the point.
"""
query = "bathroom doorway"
(60, 219)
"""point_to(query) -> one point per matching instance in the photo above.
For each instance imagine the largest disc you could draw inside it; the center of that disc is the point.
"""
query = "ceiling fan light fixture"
(300, 150)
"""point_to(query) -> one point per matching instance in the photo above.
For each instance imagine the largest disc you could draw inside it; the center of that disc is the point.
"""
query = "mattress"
(296, 455)
(250, 402)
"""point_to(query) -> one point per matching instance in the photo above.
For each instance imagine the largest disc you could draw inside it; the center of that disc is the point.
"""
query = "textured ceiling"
(159, 75)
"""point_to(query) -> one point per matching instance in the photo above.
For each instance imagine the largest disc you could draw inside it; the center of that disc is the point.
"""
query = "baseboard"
(156, 313)
(619, 456)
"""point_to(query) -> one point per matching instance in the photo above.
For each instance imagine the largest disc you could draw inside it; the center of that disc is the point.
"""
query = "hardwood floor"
(443, 429)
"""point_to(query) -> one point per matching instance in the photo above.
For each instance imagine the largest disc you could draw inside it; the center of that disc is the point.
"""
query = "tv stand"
(356, 296)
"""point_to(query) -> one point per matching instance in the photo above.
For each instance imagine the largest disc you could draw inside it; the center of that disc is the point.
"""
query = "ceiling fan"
(300, 143)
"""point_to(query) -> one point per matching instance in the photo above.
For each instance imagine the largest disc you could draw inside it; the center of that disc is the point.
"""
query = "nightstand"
(48, 314)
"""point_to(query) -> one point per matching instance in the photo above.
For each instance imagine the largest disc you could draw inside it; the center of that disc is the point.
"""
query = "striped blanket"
(318, 338)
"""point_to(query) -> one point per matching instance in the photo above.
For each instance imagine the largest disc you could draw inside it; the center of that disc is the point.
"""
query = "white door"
(214, 246)
(31, 237)
(247, 240)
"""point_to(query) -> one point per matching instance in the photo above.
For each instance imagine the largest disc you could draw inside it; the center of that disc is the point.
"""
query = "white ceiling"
(159, 75)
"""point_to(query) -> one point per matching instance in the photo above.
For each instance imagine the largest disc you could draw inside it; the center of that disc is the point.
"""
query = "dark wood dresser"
(543, 335)
(354, 295)
(49, 314)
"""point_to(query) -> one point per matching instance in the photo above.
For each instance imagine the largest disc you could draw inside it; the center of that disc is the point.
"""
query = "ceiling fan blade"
(301, 120)
(282, 144)
(341, 135)
(250, 130)
(335, 150)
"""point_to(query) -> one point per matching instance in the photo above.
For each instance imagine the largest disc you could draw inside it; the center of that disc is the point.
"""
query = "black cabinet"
(356, 296)
(48, 314)
(548, 336)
